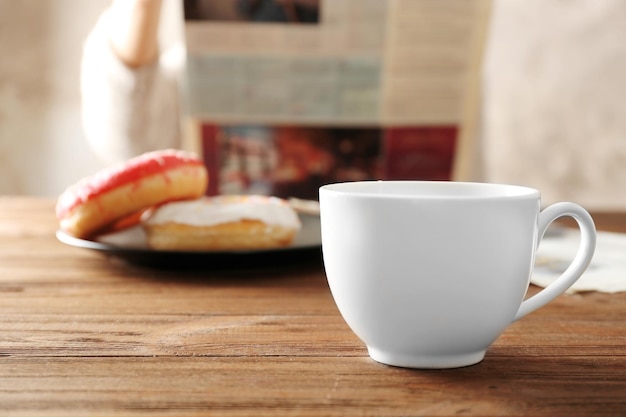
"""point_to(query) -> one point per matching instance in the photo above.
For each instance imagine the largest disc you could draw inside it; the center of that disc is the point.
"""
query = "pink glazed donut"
(122, 192)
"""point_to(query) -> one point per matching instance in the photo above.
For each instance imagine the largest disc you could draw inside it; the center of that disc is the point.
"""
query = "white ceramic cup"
(429, 274)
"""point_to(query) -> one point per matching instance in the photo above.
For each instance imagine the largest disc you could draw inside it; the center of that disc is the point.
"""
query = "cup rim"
(430, 190)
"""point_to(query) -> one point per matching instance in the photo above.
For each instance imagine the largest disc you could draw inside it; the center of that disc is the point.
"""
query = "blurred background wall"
(42, 148)
(554, 99)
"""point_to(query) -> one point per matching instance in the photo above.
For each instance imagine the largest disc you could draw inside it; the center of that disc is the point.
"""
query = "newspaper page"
(282, 97)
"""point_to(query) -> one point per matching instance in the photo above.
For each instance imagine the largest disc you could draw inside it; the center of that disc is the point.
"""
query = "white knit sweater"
(128, 111)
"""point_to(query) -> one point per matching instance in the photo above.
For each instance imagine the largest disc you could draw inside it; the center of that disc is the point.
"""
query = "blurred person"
(128, 84)
(129, 81)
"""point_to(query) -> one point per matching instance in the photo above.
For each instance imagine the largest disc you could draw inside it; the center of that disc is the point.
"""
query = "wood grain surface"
(85, 334)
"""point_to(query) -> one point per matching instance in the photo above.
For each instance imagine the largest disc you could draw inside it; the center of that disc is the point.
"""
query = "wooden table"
(83, 334)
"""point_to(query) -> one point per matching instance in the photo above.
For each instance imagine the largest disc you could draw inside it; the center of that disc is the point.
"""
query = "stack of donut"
(164, 191)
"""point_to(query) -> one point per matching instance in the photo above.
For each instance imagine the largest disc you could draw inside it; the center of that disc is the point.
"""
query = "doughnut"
(222, 223)
(121, 191)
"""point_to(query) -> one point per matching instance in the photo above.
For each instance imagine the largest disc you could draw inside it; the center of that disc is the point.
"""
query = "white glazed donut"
(222, 223)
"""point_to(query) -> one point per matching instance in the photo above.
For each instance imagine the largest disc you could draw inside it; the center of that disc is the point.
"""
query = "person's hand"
(133, 30)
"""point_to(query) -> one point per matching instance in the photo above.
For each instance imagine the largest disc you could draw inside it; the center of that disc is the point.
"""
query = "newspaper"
(281, 100)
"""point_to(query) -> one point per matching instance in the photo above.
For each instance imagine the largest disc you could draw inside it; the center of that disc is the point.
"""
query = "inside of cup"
(435, 189)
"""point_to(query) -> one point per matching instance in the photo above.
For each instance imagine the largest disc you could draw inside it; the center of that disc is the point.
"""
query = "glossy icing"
(211, 211)
(145, 165)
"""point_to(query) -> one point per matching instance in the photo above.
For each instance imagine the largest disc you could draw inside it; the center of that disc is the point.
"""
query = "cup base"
(426, 361)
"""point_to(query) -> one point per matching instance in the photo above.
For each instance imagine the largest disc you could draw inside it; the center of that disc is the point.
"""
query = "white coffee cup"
(429, 274)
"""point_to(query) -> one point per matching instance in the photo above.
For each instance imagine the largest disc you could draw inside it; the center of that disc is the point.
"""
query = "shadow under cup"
(429, 274)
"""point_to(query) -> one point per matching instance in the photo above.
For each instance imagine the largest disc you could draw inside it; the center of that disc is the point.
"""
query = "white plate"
(130, 245)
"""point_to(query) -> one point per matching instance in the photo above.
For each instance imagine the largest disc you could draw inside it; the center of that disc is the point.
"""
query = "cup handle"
(579, 264)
